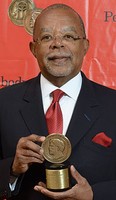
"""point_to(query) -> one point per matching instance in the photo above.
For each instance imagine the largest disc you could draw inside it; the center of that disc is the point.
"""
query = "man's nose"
(57, 42)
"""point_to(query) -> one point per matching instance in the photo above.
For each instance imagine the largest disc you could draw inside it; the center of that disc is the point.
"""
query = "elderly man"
(88, 117)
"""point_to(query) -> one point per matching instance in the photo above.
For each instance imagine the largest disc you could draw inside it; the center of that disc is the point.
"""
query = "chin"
(60, 73)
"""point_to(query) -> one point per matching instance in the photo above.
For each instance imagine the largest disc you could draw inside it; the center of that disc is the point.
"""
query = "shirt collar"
(71, 88)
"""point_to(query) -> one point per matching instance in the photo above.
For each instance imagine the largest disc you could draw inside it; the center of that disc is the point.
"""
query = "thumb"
(76, 175)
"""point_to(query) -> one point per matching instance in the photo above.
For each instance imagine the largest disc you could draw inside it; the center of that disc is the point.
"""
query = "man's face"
(57, 48)
(52, 148)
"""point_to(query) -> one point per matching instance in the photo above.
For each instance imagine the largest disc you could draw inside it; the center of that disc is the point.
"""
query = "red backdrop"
(17, 63)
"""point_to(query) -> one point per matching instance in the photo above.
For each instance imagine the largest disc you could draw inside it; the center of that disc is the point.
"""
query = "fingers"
(42, 184)
(28, 151)
(33, 138)
(30, 156)
(80, 179)
(41, 187)
(28, 147)
(31, 142)
(36, 138)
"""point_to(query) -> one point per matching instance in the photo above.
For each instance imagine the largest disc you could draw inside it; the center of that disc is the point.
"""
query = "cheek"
(77, 54)
(73, 49)
(40, 55)
(39, 51)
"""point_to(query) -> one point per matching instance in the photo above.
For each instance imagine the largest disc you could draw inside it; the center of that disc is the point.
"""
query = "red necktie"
(54, 114)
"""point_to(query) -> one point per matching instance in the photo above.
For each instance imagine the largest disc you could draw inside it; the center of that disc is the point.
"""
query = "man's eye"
(69, 37)
(46, 38)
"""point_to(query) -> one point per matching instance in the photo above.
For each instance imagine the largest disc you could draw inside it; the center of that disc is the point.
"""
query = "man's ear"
(32, 48)
(86, 45)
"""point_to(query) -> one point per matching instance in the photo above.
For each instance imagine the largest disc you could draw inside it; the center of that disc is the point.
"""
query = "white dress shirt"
(67, 102)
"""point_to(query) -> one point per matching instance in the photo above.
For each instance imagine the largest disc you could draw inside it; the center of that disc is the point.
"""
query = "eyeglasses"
(63, 38)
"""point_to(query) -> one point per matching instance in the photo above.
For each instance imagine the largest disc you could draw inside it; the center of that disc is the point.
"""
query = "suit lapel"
(32, 110)
(86, 111)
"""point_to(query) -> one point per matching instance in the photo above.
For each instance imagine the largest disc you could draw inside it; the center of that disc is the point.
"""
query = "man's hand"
(27, 152)
(81, 191)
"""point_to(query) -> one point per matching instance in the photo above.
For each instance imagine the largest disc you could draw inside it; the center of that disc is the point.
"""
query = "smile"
(58, 59)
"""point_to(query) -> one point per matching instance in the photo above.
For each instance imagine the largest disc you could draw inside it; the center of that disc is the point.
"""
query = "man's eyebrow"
(64, 29)
(45, 30)
(71, 28)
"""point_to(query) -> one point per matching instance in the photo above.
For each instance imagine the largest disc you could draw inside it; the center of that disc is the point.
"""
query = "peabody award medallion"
(57, 149)
(18, 9)
(30, 18)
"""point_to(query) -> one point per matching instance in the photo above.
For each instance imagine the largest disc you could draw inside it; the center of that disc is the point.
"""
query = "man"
(89, 117)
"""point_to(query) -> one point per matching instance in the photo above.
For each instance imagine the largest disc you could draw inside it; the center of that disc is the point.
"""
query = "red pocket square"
(102, 139)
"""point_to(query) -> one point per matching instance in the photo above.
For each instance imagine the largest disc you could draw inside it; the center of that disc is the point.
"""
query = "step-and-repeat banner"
(17, 17)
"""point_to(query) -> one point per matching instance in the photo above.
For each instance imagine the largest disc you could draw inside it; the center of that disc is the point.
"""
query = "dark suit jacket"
(21, 114)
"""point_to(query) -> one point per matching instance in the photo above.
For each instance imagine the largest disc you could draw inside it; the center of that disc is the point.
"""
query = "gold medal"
(30, 18)
(57, 148)
(18, 10)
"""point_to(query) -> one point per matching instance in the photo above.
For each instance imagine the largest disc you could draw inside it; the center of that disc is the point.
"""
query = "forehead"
(57, 19)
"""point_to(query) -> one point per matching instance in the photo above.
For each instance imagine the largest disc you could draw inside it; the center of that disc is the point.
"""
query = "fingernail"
(36, 188)
(43, 138)
(73, 168)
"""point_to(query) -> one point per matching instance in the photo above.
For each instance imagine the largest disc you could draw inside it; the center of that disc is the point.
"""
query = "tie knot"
(57, 94)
